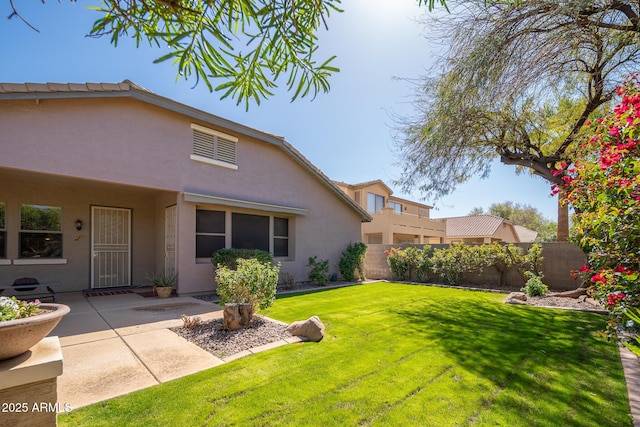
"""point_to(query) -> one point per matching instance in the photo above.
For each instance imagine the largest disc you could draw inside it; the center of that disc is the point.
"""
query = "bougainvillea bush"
(603, 187)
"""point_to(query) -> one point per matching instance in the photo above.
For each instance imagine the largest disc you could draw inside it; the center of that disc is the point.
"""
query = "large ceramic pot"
(164, 291)
(19, 335)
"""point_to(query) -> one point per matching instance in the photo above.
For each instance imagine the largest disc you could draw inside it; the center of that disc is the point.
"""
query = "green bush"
(252, 282)
(228, 257)
(353, 259)
(410, 262)
(534, 286)
(319, 273)
(451, 263)
(398, 263)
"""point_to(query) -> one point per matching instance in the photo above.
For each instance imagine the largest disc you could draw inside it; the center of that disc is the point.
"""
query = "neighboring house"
(104, 184)
(395, 220)
(480, 229)
(526, 235)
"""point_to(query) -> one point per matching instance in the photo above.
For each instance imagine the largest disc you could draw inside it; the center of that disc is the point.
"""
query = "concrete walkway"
(115, 344)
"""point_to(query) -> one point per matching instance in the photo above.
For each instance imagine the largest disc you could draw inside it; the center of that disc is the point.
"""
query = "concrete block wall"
(559, 259)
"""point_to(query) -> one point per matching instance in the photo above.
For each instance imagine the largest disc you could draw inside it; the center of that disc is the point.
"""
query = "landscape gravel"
(212, 336)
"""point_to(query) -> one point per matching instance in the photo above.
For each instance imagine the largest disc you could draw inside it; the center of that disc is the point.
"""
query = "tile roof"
(475, 225)
(526, 235)
(70, 87)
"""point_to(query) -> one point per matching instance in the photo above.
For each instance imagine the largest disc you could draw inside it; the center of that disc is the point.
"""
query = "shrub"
(352, 259)
(319, 270)
(228, 257)
(398, 263)
(534, 286)
(603, 186)
(451, 263)
(287, 280)
(253, 282)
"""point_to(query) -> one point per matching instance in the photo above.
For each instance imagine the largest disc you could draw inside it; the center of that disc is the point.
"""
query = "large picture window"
(210, 232)
(280, 237)
(375, 203)
(40, 231)
(3, 231)
(249, 231)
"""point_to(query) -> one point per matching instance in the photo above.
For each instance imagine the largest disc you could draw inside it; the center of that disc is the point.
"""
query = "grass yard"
(400, 355)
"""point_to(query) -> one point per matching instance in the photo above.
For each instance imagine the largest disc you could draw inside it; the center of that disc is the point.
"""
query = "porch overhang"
(246, 204)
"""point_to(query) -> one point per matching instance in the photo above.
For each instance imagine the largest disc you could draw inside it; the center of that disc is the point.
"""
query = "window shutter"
(226, 151)
(203, 144)
(214, 145)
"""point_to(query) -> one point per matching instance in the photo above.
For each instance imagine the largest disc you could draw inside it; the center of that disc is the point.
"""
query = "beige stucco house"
(480, 229)
(395, 220)
(104, 184)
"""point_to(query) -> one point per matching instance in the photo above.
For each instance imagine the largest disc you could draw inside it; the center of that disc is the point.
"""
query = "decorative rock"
(312, 329)
(516, 298)
(236, 315)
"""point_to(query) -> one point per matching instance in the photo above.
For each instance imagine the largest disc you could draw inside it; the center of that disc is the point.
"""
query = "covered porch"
(84, 234)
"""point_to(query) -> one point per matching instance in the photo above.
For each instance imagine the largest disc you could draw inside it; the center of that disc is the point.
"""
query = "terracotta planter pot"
(18, 336)
(164, 291)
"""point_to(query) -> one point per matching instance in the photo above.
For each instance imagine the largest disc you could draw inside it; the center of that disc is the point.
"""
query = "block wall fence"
(559, 259)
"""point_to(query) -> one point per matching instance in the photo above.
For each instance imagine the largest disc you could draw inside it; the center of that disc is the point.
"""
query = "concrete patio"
(115, 344)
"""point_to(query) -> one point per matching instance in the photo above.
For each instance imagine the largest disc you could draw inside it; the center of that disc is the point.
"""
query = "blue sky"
(347, 133)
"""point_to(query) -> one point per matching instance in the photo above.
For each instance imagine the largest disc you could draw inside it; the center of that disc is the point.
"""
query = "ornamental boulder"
(311, 329)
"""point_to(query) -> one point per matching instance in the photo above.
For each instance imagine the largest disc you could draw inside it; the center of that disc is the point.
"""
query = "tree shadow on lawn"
(544, 363)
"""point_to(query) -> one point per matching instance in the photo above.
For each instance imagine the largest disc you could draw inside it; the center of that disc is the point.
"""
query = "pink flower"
(598, 278)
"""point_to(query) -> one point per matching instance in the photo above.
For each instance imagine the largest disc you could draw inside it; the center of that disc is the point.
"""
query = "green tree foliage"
(517, 83)
(240, 48)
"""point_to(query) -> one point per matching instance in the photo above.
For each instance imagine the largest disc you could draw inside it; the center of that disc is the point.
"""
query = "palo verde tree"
(517, 84)
(240, 48)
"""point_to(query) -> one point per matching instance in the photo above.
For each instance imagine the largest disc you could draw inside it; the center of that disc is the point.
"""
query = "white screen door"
(111, 247)
(170, 240)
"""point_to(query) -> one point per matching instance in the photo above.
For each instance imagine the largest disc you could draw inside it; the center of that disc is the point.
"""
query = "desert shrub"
(252, 282)
(451, 263)
(398, 263)
(534, 286)
(319, 273)
(352, 259)
(228, 257)
(421, 264)
(410, 262)
(287, 280)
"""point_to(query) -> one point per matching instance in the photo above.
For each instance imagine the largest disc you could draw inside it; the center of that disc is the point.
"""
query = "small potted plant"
(162, 284)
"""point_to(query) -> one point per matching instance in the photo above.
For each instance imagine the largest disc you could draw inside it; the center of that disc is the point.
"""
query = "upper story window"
(40, 231)
(423, 212)
(213, 147)
(3, 231)
(375, 203)
(397, 207)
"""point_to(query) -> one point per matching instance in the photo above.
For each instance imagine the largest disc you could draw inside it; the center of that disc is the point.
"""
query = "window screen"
(250, 231)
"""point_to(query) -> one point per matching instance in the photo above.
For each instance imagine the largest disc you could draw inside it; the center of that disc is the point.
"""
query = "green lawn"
(401, 355)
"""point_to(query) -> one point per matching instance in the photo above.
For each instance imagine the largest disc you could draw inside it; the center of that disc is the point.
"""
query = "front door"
(111, 247)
